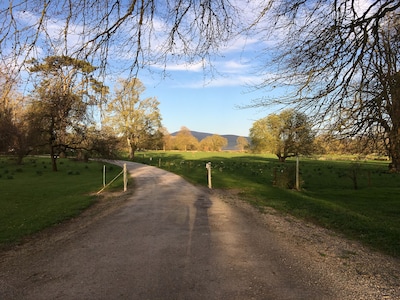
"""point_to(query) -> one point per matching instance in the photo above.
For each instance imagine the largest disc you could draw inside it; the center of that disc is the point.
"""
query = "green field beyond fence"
(360, 199)
(33, 197)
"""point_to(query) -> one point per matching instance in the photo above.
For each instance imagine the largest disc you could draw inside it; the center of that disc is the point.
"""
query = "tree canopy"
(213, 142)
(287, 134)
(335, 59)
(137, 119)
(59, 105)
(185, 141)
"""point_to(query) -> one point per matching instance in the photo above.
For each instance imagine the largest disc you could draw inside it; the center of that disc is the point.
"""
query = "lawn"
(370, 213)
(33, 197)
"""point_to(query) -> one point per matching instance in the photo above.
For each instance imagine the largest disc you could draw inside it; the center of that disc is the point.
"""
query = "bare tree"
(327, 46)
(338, 60)
(139, 31)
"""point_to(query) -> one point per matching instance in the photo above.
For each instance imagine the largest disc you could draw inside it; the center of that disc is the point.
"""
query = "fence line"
(124, 173)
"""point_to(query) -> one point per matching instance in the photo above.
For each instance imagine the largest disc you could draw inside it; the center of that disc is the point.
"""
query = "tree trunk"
(131, 152)
(394, 166)
(394, 150)
(53, 159)
(281, 158)
(130, 148)
(20, 158)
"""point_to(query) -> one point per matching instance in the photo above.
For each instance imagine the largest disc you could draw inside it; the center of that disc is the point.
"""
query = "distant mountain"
(201, 135)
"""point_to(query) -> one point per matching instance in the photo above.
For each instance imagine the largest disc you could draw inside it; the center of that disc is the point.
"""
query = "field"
(32, 197)
(359, 199)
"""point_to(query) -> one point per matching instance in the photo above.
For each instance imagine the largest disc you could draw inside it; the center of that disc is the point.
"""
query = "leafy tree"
(242, 143)
(326, 50)
(100, 142)
(213, 143)
(16, 134)
(153, 141)
(361, 145)
(185, 141)
(59, 107)
(287, 134)
(167, 142)
(7, 128)
(136, 119)
(23, 137)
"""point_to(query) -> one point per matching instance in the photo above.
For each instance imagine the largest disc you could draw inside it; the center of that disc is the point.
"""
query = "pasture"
(357, 198)
(33, 197)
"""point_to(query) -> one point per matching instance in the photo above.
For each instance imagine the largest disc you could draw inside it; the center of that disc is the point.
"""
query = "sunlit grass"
(370, 213)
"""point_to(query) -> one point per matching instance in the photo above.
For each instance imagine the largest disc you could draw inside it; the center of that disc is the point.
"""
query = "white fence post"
(208, 167)
(125, 178)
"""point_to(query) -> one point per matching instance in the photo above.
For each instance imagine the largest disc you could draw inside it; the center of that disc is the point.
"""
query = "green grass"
(32, 197)
(370, 213)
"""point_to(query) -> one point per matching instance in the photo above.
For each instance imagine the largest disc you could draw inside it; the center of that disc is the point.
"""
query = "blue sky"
(190, 96)
(206, 108)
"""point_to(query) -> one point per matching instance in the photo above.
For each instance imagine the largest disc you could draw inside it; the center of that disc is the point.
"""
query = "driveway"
(172, 240)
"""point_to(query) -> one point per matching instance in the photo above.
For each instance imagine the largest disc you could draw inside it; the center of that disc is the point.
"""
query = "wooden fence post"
(297, 174)
(125, 178)
(208, 166)
(104, 175)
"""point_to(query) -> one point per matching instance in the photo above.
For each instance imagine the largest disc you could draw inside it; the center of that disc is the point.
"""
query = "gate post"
(125, 179)
(208, 167)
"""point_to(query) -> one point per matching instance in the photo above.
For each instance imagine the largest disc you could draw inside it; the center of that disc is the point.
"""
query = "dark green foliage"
(36, 197)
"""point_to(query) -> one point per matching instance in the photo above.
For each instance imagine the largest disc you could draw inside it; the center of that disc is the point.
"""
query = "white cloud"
(234, 66)
(195, 67)
(361, 6)
(218, 82)
(53, 29)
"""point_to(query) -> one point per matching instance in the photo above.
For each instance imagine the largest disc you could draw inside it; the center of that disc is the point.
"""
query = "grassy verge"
(369, 213)
(33, 197)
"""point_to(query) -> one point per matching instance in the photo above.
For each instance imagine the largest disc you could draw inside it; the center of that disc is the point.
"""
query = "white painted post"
(125, 179)
(208, 167)
(104, 175)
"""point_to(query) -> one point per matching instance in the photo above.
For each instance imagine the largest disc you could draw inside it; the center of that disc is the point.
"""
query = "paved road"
(170, 240)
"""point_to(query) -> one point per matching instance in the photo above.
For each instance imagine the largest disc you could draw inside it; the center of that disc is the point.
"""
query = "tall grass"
(33, 197)
(359, 199)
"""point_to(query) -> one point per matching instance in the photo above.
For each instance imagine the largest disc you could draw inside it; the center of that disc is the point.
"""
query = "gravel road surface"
(171, 240)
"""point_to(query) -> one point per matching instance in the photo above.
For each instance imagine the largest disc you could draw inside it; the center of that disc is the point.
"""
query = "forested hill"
(201, 135)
